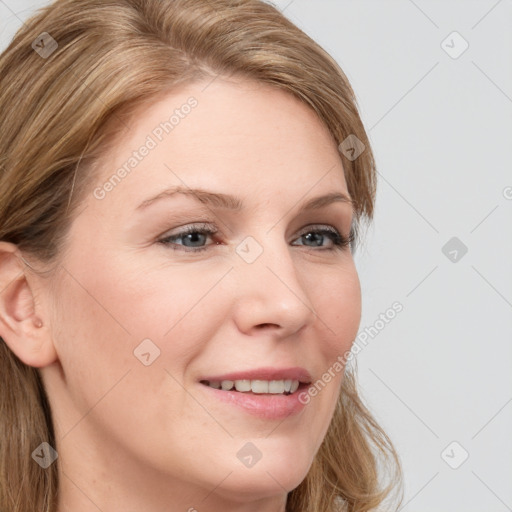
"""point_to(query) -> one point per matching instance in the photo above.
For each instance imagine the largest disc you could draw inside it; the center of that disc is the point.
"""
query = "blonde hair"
(61, 107)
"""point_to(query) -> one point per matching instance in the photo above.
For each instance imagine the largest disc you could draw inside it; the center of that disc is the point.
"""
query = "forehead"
(237, 134)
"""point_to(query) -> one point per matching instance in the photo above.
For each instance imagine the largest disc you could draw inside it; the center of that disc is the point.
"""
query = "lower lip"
(267, 406)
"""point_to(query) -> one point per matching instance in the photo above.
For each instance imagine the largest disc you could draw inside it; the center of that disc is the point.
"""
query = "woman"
(182, 184)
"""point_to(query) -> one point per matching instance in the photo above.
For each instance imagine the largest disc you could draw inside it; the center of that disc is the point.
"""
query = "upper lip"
(268, 373)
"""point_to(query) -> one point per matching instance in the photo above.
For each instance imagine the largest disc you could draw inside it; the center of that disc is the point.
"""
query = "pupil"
(309, 235)
(194, 235)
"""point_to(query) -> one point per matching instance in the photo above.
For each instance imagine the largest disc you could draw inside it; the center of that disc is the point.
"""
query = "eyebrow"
(219, 200)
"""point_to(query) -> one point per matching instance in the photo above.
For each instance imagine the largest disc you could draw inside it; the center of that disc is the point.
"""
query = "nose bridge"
(269, 290)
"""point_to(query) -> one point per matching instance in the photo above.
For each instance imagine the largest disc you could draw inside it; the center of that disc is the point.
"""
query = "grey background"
(441, 128)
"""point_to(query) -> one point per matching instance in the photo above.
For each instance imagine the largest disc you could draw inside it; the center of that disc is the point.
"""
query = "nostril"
(260, 326)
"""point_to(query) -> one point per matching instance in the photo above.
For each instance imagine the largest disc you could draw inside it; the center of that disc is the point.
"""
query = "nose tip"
(271, 295)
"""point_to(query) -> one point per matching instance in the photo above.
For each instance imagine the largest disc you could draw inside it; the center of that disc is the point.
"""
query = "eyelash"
(340, 242)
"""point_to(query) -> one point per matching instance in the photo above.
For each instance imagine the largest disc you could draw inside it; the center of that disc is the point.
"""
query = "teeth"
(275, 387)
(226, 385)
(259, 386)
(243, 385)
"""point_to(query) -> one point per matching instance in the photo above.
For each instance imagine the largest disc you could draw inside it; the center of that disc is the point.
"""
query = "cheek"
(103, 311)
(337, 301)
(92, 339)
(129, 317)
(338, 305)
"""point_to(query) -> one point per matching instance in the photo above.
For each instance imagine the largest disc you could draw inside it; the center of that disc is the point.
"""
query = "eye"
(189, 235)
(193, 237)
(319, 233)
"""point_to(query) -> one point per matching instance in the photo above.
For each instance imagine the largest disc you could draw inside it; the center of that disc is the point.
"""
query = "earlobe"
(22, 329)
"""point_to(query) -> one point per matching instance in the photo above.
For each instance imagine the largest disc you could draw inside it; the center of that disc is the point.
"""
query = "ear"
(26, 333)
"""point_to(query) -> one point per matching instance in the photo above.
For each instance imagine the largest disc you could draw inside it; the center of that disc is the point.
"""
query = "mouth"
(257, 386)
(270, 393)
(261, 381)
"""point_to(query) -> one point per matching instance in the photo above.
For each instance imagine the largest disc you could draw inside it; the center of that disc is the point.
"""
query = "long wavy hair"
(68, 78)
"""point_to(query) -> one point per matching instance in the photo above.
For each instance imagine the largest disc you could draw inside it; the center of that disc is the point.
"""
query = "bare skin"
(150, 438)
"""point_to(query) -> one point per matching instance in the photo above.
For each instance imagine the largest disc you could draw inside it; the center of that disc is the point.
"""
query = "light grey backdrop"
(434, 84)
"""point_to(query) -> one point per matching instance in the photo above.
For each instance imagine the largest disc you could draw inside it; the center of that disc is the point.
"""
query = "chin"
(280, 469)
(251, 486)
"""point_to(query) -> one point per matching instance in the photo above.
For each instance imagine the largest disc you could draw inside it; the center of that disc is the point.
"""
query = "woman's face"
(144, 313)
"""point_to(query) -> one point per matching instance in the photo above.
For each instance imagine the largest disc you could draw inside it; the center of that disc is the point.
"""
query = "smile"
(274, 387)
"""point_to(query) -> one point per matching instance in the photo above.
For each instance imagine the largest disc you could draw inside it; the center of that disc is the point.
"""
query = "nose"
(270, 294)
